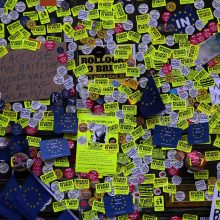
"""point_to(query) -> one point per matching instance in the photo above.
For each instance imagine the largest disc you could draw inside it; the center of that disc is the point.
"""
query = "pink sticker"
(50, 45)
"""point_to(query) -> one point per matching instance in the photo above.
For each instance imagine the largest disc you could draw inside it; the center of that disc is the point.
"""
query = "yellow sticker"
(72, 204)
(119, 10)
(11, 114)
(211, 189)
(120, 67)
(205, 14)
(137, 133)
(158, 203)
(189, 217)
(196, 196)
(148, 217)
(183, 146)
(33, 141)
(103, 187)
(81, 183)
(121, 54)
(212, 155)
(62, 162)
(158, 3)
(121, 190)
(66, 185)
(135, 97)
(170, 188)
(59, 206)
(203, 175)
(133, 72)
(129, 109)
(119, 181)
(4, 120)
(157, 165)
(98, 206)
(81, 70)
(10, 4)
(134, 36)
(75, 10)
(3, 51)
(111, 107)
(80, 34)
(48, 177)
(45, 125)
(2, 131)
(127, 146)
(160, 182)
(23, 122)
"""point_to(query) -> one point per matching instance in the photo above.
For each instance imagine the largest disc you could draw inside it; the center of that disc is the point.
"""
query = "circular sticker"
(180, 196)
(143, 8)
(199, 4)
(176, 180)
(14, 15)
(20, 7)
(4, 167)
(129, 8)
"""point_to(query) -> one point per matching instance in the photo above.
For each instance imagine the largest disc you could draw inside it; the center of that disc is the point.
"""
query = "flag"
(31, 198)
(54, 148)
(65, 123)
(198, 133)
(178, 20)
(65, 216)
(166, 136)
(118, 205)
(151, 102)
(7, 208)
(17, 144)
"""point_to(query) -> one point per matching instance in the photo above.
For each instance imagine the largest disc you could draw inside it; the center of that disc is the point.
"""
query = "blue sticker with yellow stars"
(54, 148)
(166, 136)
(198, 133)
(118, 205)
(181, 19)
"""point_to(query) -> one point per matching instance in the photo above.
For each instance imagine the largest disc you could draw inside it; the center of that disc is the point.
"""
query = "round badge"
(59, 173)
(118, 28)
(199, 4)
(73, 194)
(171, 6)
(20, 6)
(143, 8)
(19, 161)
(62, 58)
(180, 196)
(65, 5)
(93, 175)
(4, 167)
(129, 8)
(85, 194)
(6, 18)
(50, 45)
(31, 24)
(176, 180)
(16, 129)
(91, 200)
(128, 25)
(14, 15)
(101, 33)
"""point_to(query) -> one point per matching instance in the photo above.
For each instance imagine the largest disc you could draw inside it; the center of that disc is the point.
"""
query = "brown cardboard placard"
(28, 75)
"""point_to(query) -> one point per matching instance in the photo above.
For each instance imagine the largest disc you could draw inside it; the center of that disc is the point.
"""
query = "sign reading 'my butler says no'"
(28, 75)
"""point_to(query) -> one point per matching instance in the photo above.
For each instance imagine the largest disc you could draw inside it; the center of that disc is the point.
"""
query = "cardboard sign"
(28, 75)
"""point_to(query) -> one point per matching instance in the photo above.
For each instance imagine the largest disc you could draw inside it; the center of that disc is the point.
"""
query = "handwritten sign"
(28, 75)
